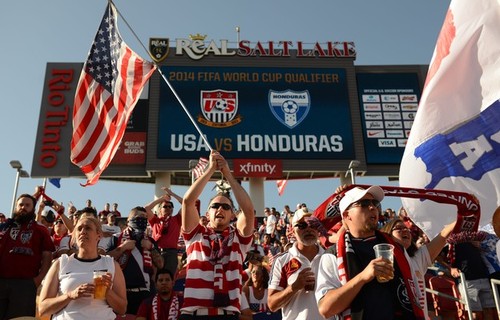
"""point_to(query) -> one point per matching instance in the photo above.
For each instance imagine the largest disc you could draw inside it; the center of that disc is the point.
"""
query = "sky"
(33, 33)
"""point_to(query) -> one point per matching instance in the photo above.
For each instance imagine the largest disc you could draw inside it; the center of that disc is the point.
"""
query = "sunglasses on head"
(301, 225)
(167, 207)
(366, 203)
(217, 205)
(57, 222)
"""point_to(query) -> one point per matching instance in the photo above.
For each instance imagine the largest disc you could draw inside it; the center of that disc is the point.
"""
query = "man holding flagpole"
(215, 252)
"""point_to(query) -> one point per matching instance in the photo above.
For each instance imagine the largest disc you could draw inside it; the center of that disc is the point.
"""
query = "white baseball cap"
(357, 193)
(299, 215)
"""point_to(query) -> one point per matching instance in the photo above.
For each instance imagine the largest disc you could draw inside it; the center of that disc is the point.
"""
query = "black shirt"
(378, 301)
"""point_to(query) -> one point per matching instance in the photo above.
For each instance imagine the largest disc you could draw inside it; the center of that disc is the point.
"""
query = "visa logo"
(391, 143)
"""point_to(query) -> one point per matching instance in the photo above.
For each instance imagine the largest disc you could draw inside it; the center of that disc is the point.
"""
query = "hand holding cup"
(101, 284)
(385, 251)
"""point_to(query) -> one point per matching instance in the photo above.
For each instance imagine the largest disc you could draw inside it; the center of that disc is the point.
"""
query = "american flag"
(200, 168)
(110, 84)
(270, 258)
(281, 184)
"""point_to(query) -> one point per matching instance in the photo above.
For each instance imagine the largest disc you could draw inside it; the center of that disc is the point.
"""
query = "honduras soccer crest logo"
(290, 107)
(219, 108)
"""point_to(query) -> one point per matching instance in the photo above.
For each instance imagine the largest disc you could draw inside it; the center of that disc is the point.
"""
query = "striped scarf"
(147, 261)
(173, 312)
(345, 249)
(220, 243)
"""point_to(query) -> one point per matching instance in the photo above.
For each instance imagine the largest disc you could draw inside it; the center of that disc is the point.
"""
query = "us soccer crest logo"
(219, 108)
(290, 107)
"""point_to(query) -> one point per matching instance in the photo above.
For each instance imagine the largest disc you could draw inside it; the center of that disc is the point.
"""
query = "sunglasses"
(400, 229)
(57, 222)
(168, 207)
(217, 205)
(366, 203)
(301, 225)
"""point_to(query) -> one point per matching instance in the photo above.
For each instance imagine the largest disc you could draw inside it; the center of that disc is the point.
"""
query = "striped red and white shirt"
(201, 276)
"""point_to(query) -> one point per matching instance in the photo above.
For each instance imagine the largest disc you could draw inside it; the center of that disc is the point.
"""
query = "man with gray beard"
(293, 274)
(26, 252)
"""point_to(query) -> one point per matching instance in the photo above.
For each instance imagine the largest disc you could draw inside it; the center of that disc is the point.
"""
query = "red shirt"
(21, 250)
(165, 309)
(166, 231)
(204, 279)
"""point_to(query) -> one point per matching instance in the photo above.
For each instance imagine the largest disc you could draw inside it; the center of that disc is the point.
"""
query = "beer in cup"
(100, 287)
(386, 251)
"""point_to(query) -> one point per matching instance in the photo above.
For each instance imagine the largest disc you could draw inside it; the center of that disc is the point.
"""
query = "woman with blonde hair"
(69, 292)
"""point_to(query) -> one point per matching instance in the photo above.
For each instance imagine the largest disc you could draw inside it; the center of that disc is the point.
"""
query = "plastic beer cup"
(386, 251)
(100, 287)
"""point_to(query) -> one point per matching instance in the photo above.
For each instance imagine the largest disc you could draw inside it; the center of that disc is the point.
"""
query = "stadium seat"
(445, 307)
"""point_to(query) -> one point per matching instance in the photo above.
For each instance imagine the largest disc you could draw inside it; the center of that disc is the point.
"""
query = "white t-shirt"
(112, 229)
(72, 273)
(418, 265)
(271, 223)
(285, 270)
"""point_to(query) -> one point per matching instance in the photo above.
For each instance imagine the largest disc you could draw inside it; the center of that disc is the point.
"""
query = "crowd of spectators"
(149, 248)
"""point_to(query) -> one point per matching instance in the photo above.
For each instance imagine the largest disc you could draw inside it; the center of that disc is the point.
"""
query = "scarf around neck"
(221, 246)
(129, 234)
(345, 253)
(173, 312)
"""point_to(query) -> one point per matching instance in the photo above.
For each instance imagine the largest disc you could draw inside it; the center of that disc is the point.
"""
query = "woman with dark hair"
(420, 258)
(69, 291)
(255, 289)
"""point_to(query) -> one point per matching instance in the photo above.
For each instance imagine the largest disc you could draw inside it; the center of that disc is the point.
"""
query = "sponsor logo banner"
(371, 106)
(398, 94)
(132, 149)
(258, 168)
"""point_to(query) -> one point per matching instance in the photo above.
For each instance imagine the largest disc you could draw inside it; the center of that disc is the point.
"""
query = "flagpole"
(183, 106)
(165, 79)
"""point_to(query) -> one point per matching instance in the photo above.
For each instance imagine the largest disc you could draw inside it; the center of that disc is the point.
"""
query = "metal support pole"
(14, 195)
(465, 297)
(494, 287)
(192, 165)
(350, 170)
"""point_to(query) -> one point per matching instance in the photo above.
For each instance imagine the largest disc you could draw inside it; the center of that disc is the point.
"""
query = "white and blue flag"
(454, 143)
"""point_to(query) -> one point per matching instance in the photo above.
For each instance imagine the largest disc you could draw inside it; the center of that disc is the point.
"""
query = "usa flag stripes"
(110, 84)
(281, 184)
(200, 168)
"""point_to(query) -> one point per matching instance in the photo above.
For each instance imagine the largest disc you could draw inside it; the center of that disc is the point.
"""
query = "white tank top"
(255, 304)
(72, 273)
